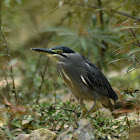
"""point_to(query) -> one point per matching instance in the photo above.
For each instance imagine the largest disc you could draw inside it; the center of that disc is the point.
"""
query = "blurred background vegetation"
(107, 32)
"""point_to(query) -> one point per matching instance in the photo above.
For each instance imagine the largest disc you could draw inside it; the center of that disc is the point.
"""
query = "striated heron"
(82, 77)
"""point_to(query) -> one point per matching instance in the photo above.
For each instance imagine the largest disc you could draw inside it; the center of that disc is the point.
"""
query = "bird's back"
(84, 78)
(97, 81)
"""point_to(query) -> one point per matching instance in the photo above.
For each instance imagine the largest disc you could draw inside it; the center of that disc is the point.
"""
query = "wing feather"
(97, 81)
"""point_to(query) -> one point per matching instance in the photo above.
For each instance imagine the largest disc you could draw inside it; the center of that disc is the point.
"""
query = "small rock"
(23, 137)
(2, 135)
(134, 133)
(39, 134)
(42, 134)
(84, 131)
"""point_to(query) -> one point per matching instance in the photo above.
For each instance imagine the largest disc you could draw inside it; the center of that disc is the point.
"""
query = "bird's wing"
(97, 81)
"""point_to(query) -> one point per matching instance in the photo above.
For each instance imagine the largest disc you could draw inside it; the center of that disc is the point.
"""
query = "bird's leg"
(84, 110)
(91, 110)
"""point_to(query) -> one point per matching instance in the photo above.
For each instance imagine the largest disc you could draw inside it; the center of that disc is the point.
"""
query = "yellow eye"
(60, 51)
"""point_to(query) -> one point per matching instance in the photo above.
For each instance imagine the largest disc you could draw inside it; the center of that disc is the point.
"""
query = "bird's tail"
(107, 103)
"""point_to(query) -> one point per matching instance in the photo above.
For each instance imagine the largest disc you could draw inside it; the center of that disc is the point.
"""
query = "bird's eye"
(60, 51)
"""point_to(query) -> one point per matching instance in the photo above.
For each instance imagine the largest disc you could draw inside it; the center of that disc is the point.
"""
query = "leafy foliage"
(59, 116)
(107, 32)
(109, 127)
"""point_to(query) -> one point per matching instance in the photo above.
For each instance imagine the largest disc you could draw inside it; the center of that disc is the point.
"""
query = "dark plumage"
(82, 77)
(98, 82)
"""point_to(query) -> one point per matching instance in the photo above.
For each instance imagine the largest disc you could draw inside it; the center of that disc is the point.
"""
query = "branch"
(42, 82)
(101, 9)
(11, 68)
(137, 61)
(126, 15)
(7, 53)
(7, 84)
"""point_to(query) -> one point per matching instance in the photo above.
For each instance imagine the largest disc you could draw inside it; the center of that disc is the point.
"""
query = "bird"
(83, 78)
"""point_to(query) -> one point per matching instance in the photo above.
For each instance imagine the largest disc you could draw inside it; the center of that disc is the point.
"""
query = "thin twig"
(11, 68)
(7, 53)
(42, 82)
(31, 83)
(137, 61)
(135, 36)
(126, 15)
(127, 120)
(138, 109)
(7, 84)
(9, 60)
(71, 110)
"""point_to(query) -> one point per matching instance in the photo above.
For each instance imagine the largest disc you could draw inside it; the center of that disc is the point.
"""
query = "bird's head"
(56, 53)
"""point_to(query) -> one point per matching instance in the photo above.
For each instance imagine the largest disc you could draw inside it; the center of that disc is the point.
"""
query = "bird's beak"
(45, 51)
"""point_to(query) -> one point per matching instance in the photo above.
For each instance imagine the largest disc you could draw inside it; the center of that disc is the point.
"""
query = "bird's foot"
(90, 111)
(84, 111)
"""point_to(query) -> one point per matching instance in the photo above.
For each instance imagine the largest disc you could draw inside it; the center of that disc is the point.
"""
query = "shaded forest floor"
(59, 113)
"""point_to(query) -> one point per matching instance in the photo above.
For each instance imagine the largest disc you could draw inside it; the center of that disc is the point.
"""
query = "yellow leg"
(84, 111)
(91, 110)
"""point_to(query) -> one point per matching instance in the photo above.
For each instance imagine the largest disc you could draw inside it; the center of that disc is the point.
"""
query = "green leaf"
(133, 60)
(133, 51)
(83, 43)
